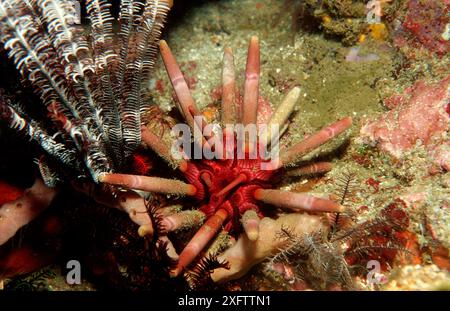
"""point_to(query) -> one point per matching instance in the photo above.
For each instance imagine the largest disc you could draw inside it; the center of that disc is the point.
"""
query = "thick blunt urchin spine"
(91, 87)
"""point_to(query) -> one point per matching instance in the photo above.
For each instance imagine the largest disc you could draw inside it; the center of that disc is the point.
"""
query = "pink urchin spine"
(157, 145)
(238, 180)
(186, 102)
(151, 184)
(282, 113)
(319, 138)
(296, 201)
(181, 219)
(313, 168)
(229, 115)
(251, 88)
(200, 239)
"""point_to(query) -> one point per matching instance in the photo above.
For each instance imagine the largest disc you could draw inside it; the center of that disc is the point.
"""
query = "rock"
(418, 115)
(244, 254)
(418, 278)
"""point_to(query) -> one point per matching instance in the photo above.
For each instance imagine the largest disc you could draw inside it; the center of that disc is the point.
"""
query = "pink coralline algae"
(419, 114)
(426, 20)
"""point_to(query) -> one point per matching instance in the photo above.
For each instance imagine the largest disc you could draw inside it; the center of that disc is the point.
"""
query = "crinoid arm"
(91, 87)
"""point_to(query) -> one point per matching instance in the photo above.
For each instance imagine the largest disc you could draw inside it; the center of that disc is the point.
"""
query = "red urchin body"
(230, 184)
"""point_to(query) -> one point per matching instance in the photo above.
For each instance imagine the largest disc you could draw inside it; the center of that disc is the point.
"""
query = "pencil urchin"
(91, 90)
(232, 187)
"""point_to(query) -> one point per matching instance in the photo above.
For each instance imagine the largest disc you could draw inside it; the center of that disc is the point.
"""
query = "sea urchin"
(233, 187)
